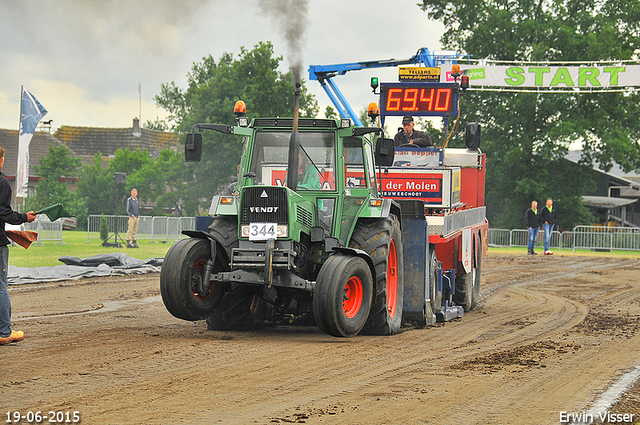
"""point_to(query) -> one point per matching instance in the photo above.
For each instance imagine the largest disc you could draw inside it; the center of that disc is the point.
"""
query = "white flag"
(31, 113)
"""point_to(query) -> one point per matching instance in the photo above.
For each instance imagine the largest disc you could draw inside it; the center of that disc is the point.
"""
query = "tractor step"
(449, 313)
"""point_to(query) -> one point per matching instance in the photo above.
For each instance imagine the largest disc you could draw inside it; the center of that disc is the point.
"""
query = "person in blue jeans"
(533, 224)
(7, 215)
(548, 219)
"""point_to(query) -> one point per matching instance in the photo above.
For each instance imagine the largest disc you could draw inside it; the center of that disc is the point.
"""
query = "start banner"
(553, 77)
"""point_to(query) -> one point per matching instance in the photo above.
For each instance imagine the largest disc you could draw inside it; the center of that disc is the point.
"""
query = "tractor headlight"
(283, 231)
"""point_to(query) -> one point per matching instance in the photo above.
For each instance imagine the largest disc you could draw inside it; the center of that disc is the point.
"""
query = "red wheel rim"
(199, 266)
(392, 279)
(353, 294)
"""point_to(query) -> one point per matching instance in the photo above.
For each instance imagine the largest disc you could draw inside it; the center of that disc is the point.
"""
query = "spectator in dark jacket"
(533, 224)
(7, 215)
(548, 219)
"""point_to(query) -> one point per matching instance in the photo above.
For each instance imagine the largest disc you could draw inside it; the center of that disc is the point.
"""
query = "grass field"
(77, 246)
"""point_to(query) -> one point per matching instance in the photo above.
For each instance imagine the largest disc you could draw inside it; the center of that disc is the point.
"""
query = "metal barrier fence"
(158, 228)
(607, 238)
(582, 237)
(520, 237)
(47, 230)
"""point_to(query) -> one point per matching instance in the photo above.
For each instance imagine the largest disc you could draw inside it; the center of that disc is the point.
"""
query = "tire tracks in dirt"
(528, 351)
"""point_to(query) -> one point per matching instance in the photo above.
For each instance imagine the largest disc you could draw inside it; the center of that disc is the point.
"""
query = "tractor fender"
(354, 252)
(201, 234)
(389, 206)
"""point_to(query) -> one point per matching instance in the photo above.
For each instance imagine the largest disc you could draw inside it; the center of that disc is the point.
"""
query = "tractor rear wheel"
(181, 276)
(382, 240)
(225, 230)
(342, 295)
(242, 309)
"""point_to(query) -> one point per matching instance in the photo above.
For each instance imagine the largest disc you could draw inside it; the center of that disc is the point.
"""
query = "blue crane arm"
(324, 74)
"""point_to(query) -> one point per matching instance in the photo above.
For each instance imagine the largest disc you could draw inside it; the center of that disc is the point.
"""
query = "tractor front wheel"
(181, 279)
(342, 296)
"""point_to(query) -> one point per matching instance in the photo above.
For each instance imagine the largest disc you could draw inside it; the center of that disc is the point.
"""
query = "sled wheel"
(477, 271)
(342, 295)
(382, 240)
(464, 290)
(435, 294)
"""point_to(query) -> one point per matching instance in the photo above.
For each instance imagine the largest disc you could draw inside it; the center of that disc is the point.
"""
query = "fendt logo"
(263, 209)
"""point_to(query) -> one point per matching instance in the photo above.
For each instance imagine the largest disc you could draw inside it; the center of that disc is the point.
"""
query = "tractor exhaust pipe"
(294, 144)
(296, 107)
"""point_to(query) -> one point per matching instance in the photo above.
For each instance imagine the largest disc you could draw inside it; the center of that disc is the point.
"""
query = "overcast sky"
(84, 60)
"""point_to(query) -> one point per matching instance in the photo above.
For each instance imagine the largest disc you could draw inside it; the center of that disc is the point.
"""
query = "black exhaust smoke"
(290, 17)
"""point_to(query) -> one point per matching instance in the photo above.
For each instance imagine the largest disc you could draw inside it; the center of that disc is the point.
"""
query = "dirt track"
(551, 334)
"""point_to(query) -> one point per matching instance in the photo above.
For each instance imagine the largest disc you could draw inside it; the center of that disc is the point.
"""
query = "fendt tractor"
(330, 224)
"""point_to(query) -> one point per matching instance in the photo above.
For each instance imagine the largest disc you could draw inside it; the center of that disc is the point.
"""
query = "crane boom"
(324, 74)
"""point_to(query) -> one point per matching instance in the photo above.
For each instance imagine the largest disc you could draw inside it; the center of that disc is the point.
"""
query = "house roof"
(87, 141)
(38, 148)
(606, 202)
(616, 171)
(627, 182)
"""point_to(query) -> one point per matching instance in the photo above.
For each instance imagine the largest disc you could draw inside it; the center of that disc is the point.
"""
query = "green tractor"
(305, 236)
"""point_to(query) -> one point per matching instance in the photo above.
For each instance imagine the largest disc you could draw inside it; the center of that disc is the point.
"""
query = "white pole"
(15, 191)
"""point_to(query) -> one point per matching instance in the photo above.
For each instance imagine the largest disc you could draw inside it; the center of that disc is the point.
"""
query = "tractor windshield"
(316, 160)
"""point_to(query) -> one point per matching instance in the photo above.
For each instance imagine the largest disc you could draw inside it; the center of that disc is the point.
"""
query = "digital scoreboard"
(419, 99)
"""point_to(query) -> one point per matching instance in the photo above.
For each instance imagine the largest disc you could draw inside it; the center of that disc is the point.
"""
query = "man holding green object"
(54, 212)
(7, 215)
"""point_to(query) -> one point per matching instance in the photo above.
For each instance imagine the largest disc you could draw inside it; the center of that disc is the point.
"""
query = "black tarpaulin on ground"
(117, 260)
(74, 268)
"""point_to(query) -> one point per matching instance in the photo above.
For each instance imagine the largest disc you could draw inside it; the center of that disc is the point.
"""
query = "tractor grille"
(304, 217)
(262, 204)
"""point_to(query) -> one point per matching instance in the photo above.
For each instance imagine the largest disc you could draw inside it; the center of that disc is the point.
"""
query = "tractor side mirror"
(385, 152)
(193, 147)
(472, 139)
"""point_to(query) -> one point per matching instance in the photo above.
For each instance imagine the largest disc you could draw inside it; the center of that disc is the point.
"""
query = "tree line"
(160, 181)
(525, 135)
